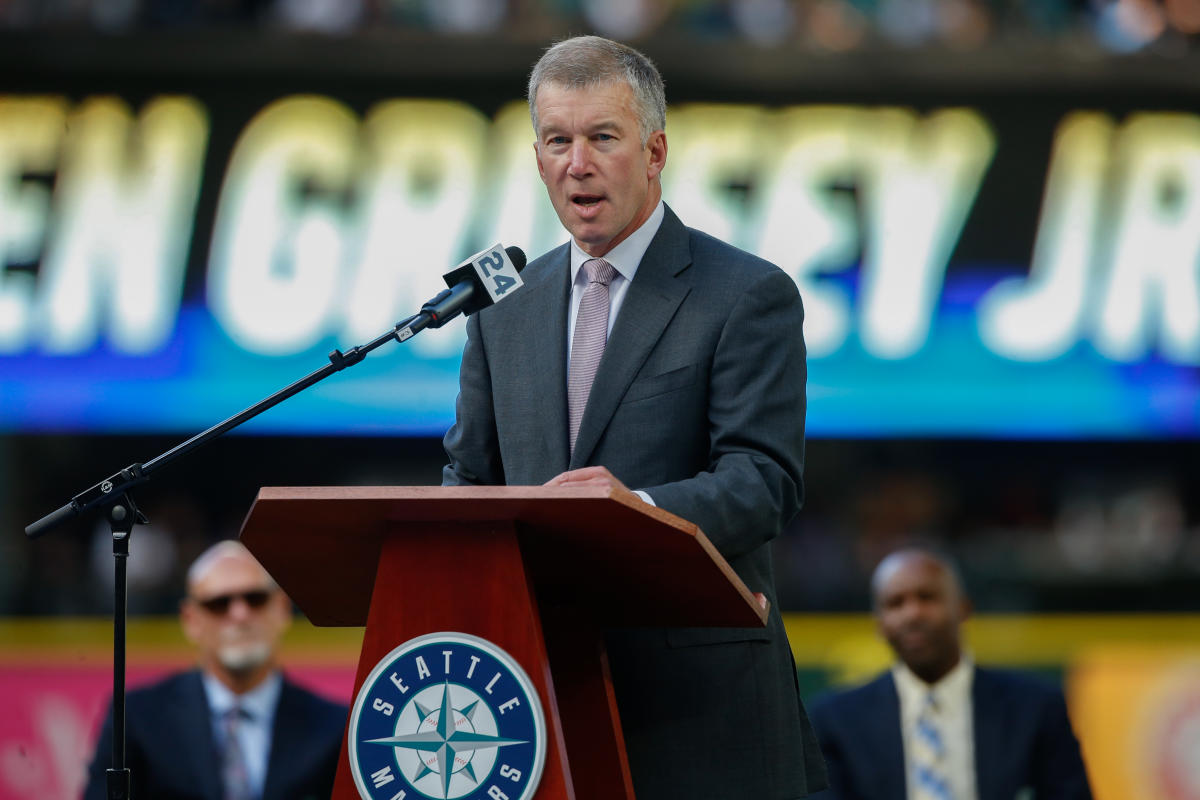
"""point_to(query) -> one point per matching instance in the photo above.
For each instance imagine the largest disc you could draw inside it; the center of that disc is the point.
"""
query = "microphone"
(483, 279)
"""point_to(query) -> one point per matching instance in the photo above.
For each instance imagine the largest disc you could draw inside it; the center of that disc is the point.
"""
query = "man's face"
(602, 180)
(235, 615)
(919, 608)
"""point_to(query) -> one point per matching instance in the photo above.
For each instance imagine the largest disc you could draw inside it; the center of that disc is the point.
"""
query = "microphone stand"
(113, 495)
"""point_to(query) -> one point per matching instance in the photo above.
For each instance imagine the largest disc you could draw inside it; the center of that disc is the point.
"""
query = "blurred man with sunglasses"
(235, 728)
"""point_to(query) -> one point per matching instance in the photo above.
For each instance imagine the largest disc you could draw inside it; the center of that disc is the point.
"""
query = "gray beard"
(244, 657)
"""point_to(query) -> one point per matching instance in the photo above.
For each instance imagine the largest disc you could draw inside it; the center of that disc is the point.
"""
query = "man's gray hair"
(584, 62)
(226, 548)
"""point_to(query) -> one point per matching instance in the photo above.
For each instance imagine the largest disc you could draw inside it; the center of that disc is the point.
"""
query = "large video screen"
(1004, 266)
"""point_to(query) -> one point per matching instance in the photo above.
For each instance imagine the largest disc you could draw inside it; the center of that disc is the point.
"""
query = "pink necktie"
(587, 346)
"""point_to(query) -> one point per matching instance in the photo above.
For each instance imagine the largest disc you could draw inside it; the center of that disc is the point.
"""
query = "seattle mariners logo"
(447, 716)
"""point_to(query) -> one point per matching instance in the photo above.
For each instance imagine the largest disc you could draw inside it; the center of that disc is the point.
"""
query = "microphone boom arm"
(110, 490)
(462, 297)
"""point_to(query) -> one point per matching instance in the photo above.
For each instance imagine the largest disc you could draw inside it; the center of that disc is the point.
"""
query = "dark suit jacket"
(172, 756)
(699, 400)
(1023, 739)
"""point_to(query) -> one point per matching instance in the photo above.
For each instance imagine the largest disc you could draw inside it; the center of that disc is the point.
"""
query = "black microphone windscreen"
(517, 256)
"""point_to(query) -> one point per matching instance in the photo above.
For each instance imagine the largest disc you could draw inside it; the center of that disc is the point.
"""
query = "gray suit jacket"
(699, 400)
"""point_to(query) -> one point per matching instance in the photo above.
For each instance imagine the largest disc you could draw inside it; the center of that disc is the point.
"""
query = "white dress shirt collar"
(259, 702)
(954, 686)
(627, 255)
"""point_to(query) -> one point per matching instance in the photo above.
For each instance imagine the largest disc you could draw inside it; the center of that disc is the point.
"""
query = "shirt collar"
(259, 702)
(627, 255)
(913, 690)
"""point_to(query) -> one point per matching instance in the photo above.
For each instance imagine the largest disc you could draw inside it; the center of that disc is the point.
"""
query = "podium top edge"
(437, 492)
(503, 495)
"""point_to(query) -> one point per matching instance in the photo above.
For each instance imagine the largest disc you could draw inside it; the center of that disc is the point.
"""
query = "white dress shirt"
(625, 258)
(953, 697)
(254, 732)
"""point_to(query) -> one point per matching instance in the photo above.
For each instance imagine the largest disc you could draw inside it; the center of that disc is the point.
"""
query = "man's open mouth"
(586, 199)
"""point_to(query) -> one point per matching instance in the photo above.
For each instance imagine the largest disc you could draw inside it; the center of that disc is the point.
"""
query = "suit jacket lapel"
(542, 320)
(650, 303)
(888, 739)
(191, 722)
(987, 723)
(289, 735)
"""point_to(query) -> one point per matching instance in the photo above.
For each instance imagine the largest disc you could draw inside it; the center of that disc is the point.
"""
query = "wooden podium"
(539, 572)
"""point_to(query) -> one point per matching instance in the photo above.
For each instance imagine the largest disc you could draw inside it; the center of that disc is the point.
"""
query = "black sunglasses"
(219, 605)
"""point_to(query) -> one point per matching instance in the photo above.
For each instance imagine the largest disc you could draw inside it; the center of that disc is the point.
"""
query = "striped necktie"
(587, 345)
(235, 777)
(929, 779)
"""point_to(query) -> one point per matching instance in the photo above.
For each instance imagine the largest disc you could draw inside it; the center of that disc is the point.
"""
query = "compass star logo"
(447, 716)
(448, 739)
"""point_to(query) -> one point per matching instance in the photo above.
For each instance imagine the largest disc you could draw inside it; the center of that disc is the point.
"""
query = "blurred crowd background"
(1037, 527)
(1163, 26)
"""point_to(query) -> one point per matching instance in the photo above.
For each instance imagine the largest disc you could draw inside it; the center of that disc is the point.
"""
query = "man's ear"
(285, 609)
(965, 609)
(656, 154)
(878, 624)
(187, 620)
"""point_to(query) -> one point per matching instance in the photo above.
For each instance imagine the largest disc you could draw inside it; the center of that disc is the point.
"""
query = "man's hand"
(589, 476)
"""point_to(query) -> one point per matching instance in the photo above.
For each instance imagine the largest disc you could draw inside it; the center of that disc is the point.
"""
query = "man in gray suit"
(683, 379)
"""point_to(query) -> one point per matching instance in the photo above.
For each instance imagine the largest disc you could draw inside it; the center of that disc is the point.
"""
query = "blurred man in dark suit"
(937, 727)
(235, 728)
